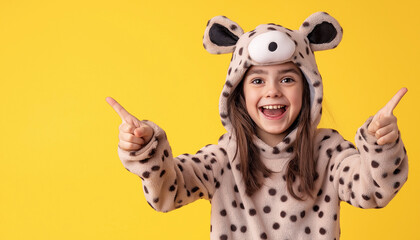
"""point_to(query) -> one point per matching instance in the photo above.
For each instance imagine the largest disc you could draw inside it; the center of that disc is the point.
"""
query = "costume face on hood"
(270, 44)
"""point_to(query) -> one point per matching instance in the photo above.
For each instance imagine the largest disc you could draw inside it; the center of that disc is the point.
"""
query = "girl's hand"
(384, 123)
(133, 133)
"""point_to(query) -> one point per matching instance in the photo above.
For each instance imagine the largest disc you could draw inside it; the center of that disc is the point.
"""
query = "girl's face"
(273, 96)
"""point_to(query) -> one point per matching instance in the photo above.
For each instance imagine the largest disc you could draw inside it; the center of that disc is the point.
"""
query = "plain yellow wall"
(60, 176)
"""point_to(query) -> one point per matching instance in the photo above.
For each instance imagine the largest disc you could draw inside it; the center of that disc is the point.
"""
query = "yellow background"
(60, 176)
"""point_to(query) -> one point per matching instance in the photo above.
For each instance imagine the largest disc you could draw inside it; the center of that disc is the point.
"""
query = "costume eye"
(271, 47)
(257, 81)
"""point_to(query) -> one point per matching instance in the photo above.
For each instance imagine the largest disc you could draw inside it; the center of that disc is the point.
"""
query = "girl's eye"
(287, 80)
(257, 81)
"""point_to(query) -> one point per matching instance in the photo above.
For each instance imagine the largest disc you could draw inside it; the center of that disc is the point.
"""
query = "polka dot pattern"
(210, 174)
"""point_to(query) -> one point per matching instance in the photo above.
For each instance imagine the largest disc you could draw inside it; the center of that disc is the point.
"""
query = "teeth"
(273, 106)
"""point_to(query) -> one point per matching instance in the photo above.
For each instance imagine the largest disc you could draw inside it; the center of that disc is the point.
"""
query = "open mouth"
(273, 111)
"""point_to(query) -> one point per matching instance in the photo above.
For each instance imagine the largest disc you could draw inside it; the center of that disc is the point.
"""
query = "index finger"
(390, 106)
(118, 108)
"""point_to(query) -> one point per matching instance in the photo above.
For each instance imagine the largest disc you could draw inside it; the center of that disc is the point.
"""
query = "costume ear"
(322, 31)
(221, 35)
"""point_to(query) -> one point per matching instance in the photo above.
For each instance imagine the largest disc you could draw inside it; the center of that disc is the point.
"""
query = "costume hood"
(270, 44)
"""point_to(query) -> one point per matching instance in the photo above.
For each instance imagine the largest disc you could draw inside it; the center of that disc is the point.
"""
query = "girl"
(273, 175)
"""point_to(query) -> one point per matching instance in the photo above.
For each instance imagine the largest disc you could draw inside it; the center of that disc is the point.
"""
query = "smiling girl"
(273, 175)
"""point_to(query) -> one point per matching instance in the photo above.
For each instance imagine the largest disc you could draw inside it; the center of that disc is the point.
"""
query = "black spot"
(180, 167)
(243, 229)
(293, 218)
(322, 231)
(155, 168)
(378, 150)
(152, 152)
(365, 148)
(223, 237)
(172, 188)
(272, 191)
(396, 185)
(276, 150)
(327, 198)
(225, 94)
(272, 46)
(321, 214)
(378, 195)
(319, 100)
(397, 161)
(396, 171)
(276, 226)
(384, 175)
(146, 174)
(223, 213)
(223, 151)
(302, 214)
(374, 164)
(356, 177)
(286, 140)
(267, 209)
(346, 169)
(195, 189)
(283, 198)
(233, 27)
(317, 84)
(283, 214)
(329, 152)
(162, 173)
(252, 212)
(319, 192)
(146, 190)
(305, 24)
(339, 148)
(316, 208)
(365, 197)
(233, 228)
(235, 188)
(229, 84)
(307, 230)
(144, 160)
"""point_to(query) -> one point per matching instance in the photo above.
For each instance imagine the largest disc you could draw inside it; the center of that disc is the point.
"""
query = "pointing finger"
(118, 108)
(390, 106)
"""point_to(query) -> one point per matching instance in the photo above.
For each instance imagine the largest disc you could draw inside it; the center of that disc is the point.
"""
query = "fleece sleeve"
(368, 176)
(169, 182)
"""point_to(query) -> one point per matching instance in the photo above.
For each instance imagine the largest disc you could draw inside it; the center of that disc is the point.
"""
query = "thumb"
(144, 131)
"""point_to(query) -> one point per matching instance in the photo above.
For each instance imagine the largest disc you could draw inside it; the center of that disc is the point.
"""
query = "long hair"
(302, 164)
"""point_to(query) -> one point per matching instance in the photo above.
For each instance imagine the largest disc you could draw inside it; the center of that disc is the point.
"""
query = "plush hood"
(270, 44)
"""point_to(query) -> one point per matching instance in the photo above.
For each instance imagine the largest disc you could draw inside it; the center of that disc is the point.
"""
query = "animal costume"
(368, 176)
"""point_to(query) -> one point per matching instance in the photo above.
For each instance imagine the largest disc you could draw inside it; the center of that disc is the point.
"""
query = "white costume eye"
(271, 47)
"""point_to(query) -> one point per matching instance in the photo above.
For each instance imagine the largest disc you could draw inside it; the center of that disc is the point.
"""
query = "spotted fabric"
(366, 175)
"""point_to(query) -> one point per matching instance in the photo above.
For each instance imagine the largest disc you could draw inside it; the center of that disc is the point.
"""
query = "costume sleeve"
(366, 177)
(168, 182)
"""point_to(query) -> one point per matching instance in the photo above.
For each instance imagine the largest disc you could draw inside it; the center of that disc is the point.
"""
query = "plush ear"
(221, 35)
(322, 31)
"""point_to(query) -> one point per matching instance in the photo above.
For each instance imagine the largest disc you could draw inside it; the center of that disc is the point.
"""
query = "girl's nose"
(273, 91)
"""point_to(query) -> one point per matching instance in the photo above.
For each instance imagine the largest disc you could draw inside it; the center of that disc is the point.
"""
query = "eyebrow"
(289, 70)
(257, 71)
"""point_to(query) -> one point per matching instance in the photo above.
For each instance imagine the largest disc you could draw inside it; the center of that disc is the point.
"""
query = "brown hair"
(302, 164)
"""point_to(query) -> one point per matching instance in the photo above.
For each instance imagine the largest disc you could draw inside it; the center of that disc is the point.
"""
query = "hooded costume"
(368, 176)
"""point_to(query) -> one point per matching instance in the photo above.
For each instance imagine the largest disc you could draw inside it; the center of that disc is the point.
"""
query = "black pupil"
(272, 46)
